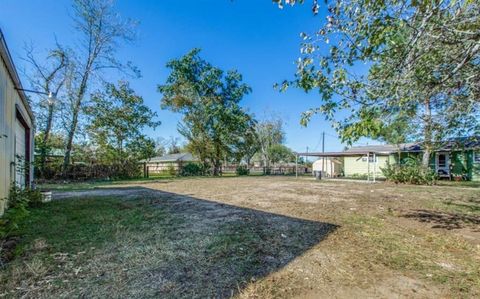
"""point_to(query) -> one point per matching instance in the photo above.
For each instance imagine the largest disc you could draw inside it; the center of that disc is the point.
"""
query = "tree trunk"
(76, 112)
(46, 136)
(427, 134)
(426, 157)
(70, 136)
(216, 167)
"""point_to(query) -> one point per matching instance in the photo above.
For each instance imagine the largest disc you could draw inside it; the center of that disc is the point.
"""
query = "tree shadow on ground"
(445, 220)
(198, 248)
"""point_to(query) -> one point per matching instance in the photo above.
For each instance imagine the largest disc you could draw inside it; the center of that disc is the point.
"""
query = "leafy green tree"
(118, 117)
(48, 76)
(214, 124)
(164, 146)
(386, 61)
(141, 148)
(247, 146)
(269, 133)
(48, 155)
(100, 33)
(280, 153)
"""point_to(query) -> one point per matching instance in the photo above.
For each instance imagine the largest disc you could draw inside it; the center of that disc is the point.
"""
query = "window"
(476, 157)
(364, 159)
(442, 160)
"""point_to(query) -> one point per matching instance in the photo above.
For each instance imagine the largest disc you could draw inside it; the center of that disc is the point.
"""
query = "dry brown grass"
(255, 237)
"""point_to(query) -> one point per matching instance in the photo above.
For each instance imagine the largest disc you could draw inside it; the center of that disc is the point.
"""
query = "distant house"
(458, 157)
(168, 162)
(16, 129)
(362, 160)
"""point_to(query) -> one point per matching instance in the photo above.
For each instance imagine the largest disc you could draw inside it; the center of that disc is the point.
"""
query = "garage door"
(20, 153)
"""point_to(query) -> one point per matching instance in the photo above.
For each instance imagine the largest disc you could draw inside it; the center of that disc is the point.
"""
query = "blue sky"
(252, 36)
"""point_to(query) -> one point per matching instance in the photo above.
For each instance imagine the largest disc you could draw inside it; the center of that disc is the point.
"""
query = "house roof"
(181, 157)
(460, 143)
(387, 148)
(12, 71)
(341, 154)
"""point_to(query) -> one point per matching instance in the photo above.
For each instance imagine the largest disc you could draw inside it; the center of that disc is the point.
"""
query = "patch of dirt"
(7, 249)
(445, 220)
(391, 241)
(386, 287)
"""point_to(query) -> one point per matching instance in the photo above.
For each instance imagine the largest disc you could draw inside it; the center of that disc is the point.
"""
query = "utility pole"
(323, 151)
(323, 141)
(296, 165)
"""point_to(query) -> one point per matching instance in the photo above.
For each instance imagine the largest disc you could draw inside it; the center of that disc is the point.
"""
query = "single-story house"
(16, 129)
(168, 162)
(457, 157)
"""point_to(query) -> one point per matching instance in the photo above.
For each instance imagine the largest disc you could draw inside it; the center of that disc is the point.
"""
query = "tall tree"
(118, 117)
(248, 145)
(269, 133)
(49, 78)
(213, 122)
(101, 32)
(384, 61)
(280, 153)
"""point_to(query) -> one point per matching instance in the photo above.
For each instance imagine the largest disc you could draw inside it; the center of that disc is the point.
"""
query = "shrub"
(242, 170)
(192, 169)
(411, 172)
(125, 170)
(34, 197)
(18, 202)
(171, 170)
(358, 176)
(128, 169)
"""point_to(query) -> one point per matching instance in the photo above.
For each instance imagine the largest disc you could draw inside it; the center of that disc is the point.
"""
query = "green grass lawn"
(118, 247)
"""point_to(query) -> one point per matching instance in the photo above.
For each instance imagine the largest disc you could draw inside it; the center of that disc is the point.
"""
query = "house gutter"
(343, 154)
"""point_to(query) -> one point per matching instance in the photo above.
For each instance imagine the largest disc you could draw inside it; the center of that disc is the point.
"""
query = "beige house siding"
(358, 165)
(10, 101)
(160, 167)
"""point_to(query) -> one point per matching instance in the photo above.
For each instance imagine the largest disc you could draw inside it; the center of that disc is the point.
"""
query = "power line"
(321, 140)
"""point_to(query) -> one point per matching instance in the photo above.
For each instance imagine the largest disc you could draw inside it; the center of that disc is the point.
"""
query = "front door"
(443, 164)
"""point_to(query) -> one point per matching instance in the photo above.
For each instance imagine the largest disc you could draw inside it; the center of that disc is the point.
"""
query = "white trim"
(476, 155)
(446, 168)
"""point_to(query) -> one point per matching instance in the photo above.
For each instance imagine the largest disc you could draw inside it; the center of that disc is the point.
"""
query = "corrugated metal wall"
(8, 99)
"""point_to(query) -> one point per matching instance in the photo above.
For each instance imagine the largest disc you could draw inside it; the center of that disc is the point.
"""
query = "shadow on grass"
(467, 184)
(445, 220)
(173, 245)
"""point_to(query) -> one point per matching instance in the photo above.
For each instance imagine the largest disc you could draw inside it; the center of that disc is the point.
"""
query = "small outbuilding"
(168, 162)
(331, 167)
(16, 129)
